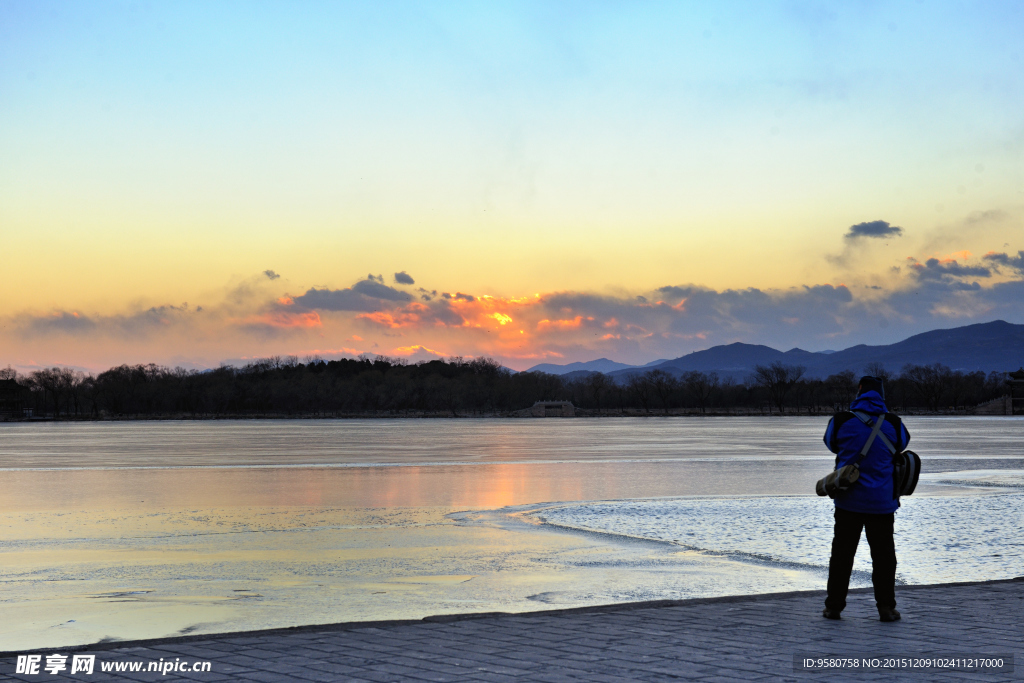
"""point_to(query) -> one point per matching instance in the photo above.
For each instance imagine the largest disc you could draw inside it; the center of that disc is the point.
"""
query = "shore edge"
(447, 618)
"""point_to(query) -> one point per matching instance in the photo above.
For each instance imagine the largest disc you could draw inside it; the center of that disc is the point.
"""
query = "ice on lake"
(151, 529)
(972, 536)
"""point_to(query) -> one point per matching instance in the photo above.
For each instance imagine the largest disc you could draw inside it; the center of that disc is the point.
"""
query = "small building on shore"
(997, 406)
(14, 398)
(553, 409)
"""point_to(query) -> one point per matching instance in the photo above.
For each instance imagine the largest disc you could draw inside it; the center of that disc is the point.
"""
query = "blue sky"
(157, 153)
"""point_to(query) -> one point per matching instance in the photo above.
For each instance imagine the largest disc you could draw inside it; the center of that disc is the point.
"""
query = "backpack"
(906, 465)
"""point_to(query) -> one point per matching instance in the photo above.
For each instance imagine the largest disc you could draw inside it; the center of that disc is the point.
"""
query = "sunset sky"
(198, 183)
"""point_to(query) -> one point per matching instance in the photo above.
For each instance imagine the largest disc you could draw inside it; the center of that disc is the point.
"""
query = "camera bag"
(846, 476)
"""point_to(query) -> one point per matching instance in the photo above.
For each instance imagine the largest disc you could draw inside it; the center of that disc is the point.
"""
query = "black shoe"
(888, 614)
(834, 614)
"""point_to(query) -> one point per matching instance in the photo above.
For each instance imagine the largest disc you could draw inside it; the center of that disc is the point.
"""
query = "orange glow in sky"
(204, 183)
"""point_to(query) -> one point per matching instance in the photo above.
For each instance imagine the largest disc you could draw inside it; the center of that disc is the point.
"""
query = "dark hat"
(869, 383)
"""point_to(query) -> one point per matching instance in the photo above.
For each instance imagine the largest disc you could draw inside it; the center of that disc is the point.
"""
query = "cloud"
(69, 322)
(442, 313)
(271, 275)
(335, 300)
(982, 217)
(946, 269)
(878, 229)
(365, 295)
(392, 320)
(1014, 263)
(573, 324)
(135, 324)
(377, 290)
(458, 296)
(285, 319)
(403, 278)
(155, 318)
(665, 322)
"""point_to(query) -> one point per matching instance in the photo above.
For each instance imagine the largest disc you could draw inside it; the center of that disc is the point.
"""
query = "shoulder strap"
(876, 431)
(897, 425)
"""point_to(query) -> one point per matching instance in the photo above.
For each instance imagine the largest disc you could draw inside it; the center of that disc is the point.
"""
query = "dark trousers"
(844, 547)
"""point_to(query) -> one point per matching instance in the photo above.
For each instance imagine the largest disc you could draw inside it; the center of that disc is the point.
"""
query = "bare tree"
(8, 373)
(930, 381)
(577, 390)
(699, 386)
(47, 381)
(778, 379)
(76, 383)
(842, 389)
(639, 385)
(958, 385)
(62, 385)
(598, 384)
(876, 369)
(449, 395)
(664, 385)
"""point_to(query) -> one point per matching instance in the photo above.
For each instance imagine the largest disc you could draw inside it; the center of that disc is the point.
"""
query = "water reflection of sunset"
(469, 486)
(300, 520)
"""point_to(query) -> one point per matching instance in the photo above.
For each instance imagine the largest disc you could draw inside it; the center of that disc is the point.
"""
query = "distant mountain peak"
(996, 345)
(599, 365)
(992, 346)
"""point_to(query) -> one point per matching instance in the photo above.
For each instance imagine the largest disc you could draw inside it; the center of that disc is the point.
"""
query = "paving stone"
(730, 640)
(495, 677)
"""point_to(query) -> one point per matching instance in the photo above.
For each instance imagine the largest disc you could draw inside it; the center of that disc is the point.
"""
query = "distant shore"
(581, 414)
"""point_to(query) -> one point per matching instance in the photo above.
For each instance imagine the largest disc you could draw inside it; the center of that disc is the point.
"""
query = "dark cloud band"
(1005, 260)
(364, 296)
(879, 229)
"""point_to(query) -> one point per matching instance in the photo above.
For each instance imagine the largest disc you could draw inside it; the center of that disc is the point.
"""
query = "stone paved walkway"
(721, 639)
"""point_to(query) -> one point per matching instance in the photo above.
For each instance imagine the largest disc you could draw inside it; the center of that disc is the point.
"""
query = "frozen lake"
(145, 529)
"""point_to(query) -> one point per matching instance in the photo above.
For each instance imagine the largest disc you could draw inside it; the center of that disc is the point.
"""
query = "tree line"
(781, 388)
(379, 386)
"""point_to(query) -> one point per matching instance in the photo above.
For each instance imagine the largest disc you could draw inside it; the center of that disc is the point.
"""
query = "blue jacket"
(845, 436)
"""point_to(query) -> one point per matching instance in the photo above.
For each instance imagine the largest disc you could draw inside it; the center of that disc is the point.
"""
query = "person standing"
(870, 503)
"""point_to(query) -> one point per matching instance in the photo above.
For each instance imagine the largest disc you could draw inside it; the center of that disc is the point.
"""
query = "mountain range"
(600, 365)
(997, 345)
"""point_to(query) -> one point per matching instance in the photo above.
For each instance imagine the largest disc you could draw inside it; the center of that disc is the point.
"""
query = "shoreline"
(581, 414)
(610, 608)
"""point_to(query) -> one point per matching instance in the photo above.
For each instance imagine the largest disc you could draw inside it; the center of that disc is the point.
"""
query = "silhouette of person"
(870, 503)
